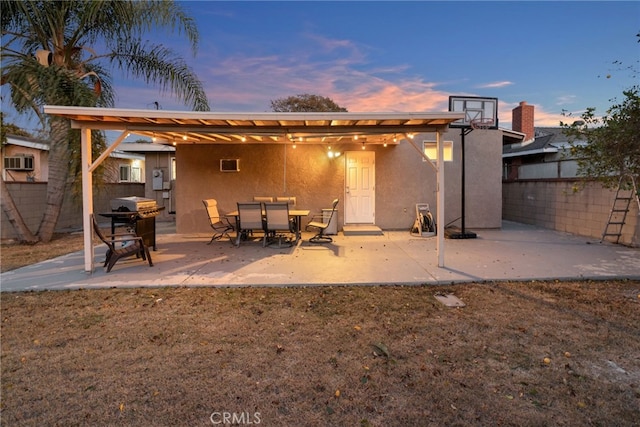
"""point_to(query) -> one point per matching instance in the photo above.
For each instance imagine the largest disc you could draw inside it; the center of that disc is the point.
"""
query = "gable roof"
(547, 140)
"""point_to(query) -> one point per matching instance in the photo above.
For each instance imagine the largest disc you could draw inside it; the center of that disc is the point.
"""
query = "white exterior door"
(360, 196)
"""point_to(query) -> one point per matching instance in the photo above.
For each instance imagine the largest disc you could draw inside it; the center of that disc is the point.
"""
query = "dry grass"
(347, 356)
(15, 255)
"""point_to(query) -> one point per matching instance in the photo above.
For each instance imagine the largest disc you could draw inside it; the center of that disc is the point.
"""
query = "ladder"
(626, 192)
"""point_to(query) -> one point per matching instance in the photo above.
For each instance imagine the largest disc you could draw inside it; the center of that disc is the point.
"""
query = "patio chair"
(263, 199)
(278, 225)
(122, 245)
(220, 225)
(291, 200)
(249, 220)
(321, 227)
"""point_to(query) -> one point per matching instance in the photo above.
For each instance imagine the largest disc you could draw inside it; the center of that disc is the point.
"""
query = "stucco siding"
(402, 179)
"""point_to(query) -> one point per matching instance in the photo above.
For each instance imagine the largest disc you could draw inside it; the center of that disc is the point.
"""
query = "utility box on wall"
(157, 179)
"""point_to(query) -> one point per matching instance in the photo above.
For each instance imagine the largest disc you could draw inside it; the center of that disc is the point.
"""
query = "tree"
(608, 147)
(306, 103)
(49, 57)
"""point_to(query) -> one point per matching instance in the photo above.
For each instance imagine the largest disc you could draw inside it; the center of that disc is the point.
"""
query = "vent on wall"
(230, 165)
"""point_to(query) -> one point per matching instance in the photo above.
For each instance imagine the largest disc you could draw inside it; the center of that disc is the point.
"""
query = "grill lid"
(133, 204)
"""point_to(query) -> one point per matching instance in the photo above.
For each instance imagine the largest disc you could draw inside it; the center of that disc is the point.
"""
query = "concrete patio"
(514, 252)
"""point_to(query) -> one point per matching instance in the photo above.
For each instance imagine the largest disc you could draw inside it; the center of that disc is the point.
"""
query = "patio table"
(296, 214)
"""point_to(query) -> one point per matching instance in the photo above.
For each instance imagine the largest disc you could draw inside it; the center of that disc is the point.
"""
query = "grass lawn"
(525, 354)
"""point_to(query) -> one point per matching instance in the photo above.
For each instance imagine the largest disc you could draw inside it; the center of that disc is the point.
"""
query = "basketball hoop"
(482, 124)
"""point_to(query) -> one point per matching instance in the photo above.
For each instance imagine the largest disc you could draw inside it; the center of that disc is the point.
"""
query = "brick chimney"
(522, 120)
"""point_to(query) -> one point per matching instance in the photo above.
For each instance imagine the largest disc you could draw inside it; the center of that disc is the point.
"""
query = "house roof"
(177, 127)
(547, 140)
(22, 141)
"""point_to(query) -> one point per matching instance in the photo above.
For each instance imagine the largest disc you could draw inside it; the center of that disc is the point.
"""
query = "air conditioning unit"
(229, 165)
(19, 163)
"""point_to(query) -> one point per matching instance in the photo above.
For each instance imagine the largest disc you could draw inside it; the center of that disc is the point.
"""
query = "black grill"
(141, 221)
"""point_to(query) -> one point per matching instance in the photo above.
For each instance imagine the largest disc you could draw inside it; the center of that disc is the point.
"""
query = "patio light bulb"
(184, 137)
(355, 137)
(385, 144)
(244, 138)
(363, 145)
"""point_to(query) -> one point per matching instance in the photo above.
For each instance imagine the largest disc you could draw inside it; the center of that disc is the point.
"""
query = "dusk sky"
(408, 56)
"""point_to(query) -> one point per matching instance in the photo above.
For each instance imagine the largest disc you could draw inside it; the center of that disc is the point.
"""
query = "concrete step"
(361, 230)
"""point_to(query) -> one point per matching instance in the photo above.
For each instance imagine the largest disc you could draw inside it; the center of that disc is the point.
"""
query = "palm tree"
(50, 56)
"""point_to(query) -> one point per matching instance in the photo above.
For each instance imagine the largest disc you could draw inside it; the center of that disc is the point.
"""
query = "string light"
(363, 145)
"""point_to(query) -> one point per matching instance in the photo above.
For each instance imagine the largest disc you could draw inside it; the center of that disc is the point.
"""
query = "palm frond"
(159, 65)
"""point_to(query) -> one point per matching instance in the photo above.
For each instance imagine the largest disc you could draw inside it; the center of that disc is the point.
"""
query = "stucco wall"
(30, 198)
(402, 179)
(553, 204)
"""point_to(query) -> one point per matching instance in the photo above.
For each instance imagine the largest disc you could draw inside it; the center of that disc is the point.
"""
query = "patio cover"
(188, 127)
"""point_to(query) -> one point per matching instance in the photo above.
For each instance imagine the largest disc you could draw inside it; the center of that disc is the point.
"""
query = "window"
(23, 163)
(130, 173)
(125, 173)
(136, 174)
(431, 150)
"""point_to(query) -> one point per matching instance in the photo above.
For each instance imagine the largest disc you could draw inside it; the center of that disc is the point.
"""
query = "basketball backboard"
(478, 112)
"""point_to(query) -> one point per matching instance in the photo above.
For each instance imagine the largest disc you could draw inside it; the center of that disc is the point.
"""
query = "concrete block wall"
(30, 198)
(555, 205)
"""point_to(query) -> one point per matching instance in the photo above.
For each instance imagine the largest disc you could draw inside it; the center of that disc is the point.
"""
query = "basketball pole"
(463, 233)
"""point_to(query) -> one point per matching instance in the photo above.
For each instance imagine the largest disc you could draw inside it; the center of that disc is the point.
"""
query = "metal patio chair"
(278, 225)
(249, 220)
(220, 225)
(321, 227)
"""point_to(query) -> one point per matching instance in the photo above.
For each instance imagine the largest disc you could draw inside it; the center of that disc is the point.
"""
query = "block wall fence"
(555, 205)
(30, 198)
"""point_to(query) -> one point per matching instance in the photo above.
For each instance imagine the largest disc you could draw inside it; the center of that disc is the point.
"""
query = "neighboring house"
(160, 175)
(539, 184)
(544, 152)
(27, 160)
(25, 169)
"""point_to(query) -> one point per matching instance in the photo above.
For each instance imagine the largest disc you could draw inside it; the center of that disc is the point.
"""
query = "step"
(361, 230)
